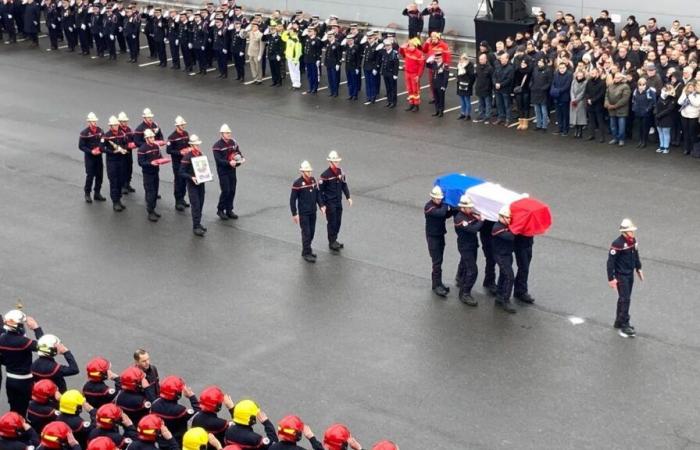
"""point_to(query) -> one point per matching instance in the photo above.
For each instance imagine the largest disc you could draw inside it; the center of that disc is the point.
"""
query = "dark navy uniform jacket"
(284, 445)
(502, 240)
(177, 141)
(146, 154)
(26, 439)
(332, 185)
(89, 139)
(39, 414)
(139, 140)
(435, 217)
(247, 438)
(224, 152)
(141, 445)
(97, 393)
(212, 423)
(174, 415)
(305, 197)
(623, 258)
(135, 404)
(81, 428)
(467, 226)
(16, 351)
(46, 368)
(121, 440)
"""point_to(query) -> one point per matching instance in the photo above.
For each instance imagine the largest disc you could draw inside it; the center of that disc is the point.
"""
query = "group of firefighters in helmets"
(132, 410)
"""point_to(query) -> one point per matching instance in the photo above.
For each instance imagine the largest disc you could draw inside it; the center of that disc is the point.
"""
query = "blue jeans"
(563, 117)
(485, 107)
(503, 105)
(541, 115)
(617, 128)
(465, 105)
(664, 137)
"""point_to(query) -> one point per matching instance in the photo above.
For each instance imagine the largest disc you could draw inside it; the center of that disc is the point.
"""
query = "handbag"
(519, 89)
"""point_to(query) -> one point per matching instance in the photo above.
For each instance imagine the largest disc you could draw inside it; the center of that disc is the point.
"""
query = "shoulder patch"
(612, 251)
(266, 441)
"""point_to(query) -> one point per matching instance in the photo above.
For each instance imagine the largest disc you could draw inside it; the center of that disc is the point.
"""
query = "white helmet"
(305, 167)
(465, 201)
(149, 133)
(224, 129)
(91, 117)
(194, 140)
(334, 157)
(147, 113)
(14, 319)
(627, 225)
(113, 121)
(47, 345)
(505, 211)
(437, 193)
(122, 117)
(179, 121)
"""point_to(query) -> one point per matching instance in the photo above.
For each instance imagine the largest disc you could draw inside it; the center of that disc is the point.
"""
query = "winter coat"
(503, 75)
(539, 86)
(595, 92)
(560, 90)
(465, 81)
(643, 102)
(617, 99)
(483, 83)
(690, 105)
(577, 107)
(665, 112)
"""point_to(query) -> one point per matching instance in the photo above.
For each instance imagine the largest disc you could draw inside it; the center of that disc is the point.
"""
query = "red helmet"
(11, 425)
(385, 445)
(97, 369)
(101, 443)
(149, 427)
(131, 378)
(55, 435)
(108, 415)
(43, 391)
(336, 436)
(171, 387)
(211, 398)
(290, 429)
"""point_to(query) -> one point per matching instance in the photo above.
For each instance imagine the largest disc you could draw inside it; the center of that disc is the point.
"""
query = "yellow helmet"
(245, 411)
(71, 401)
(195, 439)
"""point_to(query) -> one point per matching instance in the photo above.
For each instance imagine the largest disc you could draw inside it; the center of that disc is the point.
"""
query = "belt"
(15, 376)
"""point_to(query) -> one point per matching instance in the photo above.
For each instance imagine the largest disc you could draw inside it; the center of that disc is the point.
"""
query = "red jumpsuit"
(429, 49)
(414, 62)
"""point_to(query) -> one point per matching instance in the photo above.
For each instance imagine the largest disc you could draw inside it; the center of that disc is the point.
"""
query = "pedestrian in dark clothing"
(436, 21)
(539, 93)
(31, 22)
(483, 87)
(415, 20)
(664, 113)
(436, 213)
(623, 262)
(594, 96)
(503, 76)
(560, 92)
(643, 102)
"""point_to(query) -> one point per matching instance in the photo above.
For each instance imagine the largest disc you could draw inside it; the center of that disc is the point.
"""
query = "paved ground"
(358, 337)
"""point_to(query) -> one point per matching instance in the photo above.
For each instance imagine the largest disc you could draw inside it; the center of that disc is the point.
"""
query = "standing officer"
(303, 200)
(195, 190)
(166, 406)
(148, 14)
(389, 70)
(97, 30)
(177, 143)
(436, 213)
(221, 45)
(290, 430)
(172, 38)
(440, 75)
(210, 401)
(42, 407)
(132, 31)
(523, 255)
(312, 59)
(90, 144)
(53, 22)
(147, 124)
(83, 24)
(148, 158)
(228, 157)
(115, 145)
(332, 186)
(200, 36)
(16, 355)
(46, 368)
(142, 360)
(68, 21)
(108, 418)
(160, 31)
(333, 60)
(7, 20)
(136, 395)
(370, 64)
(623, 262)
(128, 166)
(186, 42)
(353, 64)
(245, 414)
(71, 404)
(467, 224)
(110, 24)
(275, 53)
(95, 390)
(503, 253)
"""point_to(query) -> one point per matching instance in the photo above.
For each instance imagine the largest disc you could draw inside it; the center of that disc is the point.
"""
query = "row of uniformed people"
(119, 143)
(498, 244)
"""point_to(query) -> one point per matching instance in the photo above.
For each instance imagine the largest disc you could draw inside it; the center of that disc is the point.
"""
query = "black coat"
(483, 81)
(31, 18)
(539, 85)
(665, 112)
(436, 22)
(595, 92)
(504, 75)
(415, 22)
(465, 82)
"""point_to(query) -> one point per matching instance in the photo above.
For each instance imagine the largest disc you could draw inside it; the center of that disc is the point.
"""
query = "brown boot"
(520, 125)
(526, 124)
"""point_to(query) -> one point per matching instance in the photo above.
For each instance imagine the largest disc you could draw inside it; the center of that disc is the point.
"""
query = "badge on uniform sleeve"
(612, 251)
(111, 391)
(266, 441)
(303, 183)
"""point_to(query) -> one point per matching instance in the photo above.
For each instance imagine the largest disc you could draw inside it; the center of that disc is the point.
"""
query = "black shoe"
(99, 197)
(617, 325)
(185, 204)
(411, 108)
(131, 189)
(335, 246)
(158, 197)
(152, 217)
(507, 306)
(309, 258)
(88, 199)
(179, 206)
(392, 106)
(436, 113)
(222, 215)
(440, 114)
(157, 214)
(118, 207)
(467, 299)
(491, 290)
(125, 191)
(461, 117)
(440, 291)
(591, 138)
(432, 102)
(313, 255)
(417, 108)
(526, 298)
(627, 331)
(232, 215)
(199, 231)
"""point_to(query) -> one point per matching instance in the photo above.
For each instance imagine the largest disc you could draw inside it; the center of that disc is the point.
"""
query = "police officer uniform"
(184, 37)
(220, 46)
(160, 30)
(228, 157)
(16, 354)
(333, 59)
(275, 52)
(304, 199)
(132, 31)
(195, 191)
(69, 24)
(503, 253)
(440, 76)
(312, 61)
(53, 22)
(332, 186)
(389, 70)
(83, 25)
(97, 30)
(436, 213)
(371, 60)
(173, 40)
(149, 30)
(177, 143)
(238, 47)
(7, 17)
(623, 262)
(148, 153)
(523, 255)
(467, 225)
(90, 144)
(120, 14)
(200, 36)
(115, 144)
(110, 26)
(353, 65)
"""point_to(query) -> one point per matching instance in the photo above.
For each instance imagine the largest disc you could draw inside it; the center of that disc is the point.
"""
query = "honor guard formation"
(134, 409)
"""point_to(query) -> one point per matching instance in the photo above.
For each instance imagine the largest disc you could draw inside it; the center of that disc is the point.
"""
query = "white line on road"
(152, 62)
(253, 81)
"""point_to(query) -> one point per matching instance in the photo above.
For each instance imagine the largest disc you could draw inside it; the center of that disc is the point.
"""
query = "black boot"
(88, 199)
(99, 197)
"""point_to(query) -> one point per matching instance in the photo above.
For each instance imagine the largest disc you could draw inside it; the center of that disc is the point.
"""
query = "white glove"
(166, 41)
(337, 67)
(111, 37)
(202, 48)
(318, 63)
(230, 27)
(177, 41)
(364, 40)
(70, 29)
(279, 58)
(101, 35)
(380, 46)
(133, 36)
(259, 58)
(357, 71)
(9, 16)
(121, 29)
(53, 26)
(225, 51)
(189, 46)
(374, 72)
(343, 42)
(442, 88)
(395, 77)
(241, 54)
(83, 27)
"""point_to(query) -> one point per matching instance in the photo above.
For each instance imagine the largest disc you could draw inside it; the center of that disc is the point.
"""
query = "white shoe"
(659, 150)
(665, 151)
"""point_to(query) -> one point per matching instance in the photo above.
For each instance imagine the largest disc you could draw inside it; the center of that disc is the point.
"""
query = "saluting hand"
(308, 434)
(262, 417)
(228, 402)
(214, 442)
(187, 391)
(31, 323)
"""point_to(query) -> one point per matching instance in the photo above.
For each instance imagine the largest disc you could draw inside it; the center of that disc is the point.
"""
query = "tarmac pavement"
(357, 337)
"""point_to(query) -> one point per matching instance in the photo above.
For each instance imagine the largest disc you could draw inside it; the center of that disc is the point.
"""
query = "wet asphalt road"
(359, 337)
